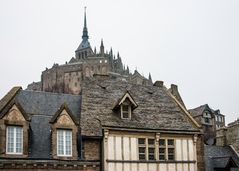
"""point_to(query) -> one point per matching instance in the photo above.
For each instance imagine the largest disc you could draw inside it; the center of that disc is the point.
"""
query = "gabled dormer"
(14, 126)
(64, 134)
(125, 105)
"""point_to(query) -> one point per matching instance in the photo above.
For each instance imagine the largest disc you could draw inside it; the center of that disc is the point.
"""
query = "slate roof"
(83, 45)
(199, 110)
(41, 106)
(218, 156)
(156, 110)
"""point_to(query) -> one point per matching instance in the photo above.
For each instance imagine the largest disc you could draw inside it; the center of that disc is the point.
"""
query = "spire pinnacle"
(150, 78)
(85, 19)
(101, 43)
(102, 49)
(85, 31)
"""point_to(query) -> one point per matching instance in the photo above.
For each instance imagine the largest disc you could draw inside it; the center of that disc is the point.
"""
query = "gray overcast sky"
(191, 43)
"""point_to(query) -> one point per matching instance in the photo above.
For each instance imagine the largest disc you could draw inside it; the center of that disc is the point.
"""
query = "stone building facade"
(229, 135)
(92, 114)
(113, 125)
(210, 120)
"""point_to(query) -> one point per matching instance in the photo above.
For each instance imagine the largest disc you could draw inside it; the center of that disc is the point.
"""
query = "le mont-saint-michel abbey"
(93, 114)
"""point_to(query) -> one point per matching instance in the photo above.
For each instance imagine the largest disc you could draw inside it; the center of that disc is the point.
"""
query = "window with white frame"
(14, 143)
(125, 111)
(64, 142)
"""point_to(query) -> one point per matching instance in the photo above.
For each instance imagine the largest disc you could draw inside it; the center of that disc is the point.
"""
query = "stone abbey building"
(92, 114)
(68, 78)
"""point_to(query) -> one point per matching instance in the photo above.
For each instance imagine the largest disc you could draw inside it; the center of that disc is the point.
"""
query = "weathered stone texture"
(200, 153)
(64, 122)
(91, 149)
(233, 135)
(14, 117)
(221, 137)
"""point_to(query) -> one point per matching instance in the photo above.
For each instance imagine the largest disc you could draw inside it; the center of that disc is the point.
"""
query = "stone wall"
(221, 137)
(232, 135)
(91, 149)
(49, 166)
(200, 153)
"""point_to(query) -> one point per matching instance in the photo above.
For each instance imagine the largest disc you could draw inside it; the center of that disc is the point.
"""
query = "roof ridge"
(9, 96)
(51, 93)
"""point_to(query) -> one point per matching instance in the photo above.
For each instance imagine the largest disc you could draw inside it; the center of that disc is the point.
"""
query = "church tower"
(84, 48)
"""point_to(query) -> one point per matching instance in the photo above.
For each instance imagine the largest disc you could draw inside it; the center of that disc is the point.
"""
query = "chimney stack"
(158, 84)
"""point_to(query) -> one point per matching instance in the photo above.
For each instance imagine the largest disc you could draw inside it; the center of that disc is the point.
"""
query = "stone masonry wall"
(91, 149)
(233, 135)
(200, 153)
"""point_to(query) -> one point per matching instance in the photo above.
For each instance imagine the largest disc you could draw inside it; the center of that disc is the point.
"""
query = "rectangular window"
(146, 147)
(151, 149)
(170, 149)
(207, 120)
(166, 149)
(162, 149)
(142, 148)
(14, 141)
(64, 142)
(125, 111)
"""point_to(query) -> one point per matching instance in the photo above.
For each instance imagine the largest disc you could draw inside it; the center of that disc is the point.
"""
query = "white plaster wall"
(178, 149)
(111, 150)
(118, 148)
(191, 149)
(134, 149)
(126, 148)
(184, 149)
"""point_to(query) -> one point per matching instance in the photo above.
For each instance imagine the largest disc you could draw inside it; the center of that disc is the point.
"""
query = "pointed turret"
(150, 78)
(111, 52)
(127, 70)
(102, 48)
(118, 56)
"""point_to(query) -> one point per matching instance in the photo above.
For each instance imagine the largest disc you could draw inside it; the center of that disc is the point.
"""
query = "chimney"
(158, 84)
(174, 89)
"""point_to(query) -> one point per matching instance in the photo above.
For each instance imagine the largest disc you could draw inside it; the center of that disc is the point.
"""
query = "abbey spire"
(85, 36)
(84, 48)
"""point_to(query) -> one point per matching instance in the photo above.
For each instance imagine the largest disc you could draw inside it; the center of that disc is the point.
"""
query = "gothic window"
(64, 142)
(14, 140)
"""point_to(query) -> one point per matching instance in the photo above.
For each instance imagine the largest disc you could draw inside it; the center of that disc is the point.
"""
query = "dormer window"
(125, 111)
(14, 140)
(125, 105)
(64, 142)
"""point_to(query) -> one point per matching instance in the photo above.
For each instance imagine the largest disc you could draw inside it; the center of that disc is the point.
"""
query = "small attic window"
(125, 111)
(125, 105)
